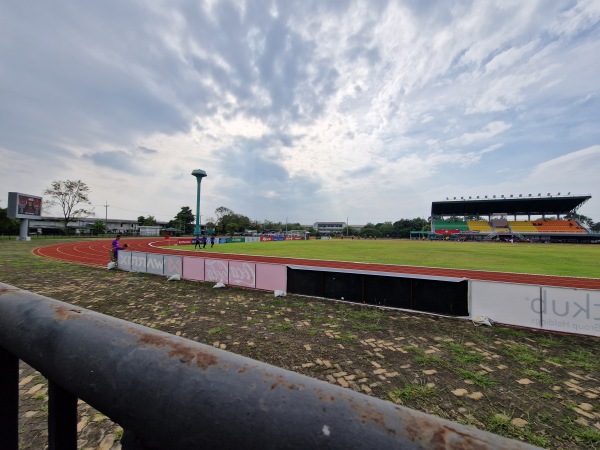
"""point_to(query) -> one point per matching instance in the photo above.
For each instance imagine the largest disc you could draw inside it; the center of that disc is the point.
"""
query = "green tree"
(99, 227)
(150, 221)
(231, 228)
(346, 231)
(7, 225)
(184, 220)
(370, 232)
(226, 216)
(70, 196)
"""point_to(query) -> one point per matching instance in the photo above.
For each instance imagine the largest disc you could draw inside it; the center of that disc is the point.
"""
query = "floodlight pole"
(199, 174)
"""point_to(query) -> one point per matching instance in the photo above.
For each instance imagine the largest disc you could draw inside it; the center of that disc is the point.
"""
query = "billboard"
(24, 206)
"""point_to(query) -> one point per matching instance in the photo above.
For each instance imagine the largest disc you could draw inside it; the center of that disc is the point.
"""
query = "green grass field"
(543, 259)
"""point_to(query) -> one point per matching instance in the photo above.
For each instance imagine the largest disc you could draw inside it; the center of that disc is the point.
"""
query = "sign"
(24, 206)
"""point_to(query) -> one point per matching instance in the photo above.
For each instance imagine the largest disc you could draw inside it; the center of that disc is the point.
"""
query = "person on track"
(117, 246)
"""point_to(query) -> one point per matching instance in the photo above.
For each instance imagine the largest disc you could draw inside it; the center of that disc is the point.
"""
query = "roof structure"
(512, 206)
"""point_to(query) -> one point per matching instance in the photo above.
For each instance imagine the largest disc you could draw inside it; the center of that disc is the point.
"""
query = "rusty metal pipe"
(174, 393)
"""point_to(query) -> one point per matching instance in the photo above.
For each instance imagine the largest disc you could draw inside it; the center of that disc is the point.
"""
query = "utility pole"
(106, 213)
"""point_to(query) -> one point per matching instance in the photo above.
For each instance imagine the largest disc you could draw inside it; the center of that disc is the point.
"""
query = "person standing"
(212, 240)
(196, 242)
(203, 241)
(117, 246)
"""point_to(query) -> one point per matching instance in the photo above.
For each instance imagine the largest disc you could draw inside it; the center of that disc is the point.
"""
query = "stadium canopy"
(513, 206)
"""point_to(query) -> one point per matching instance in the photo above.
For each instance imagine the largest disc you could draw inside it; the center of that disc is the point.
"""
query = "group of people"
(202, 241)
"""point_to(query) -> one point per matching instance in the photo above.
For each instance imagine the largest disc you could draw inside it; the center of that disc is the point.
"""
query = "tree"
(231, 228)
(185, 219)
(346, 231)
(99, 227)
(150, 220)
(7, 225)
(70, 195)
(226, 216)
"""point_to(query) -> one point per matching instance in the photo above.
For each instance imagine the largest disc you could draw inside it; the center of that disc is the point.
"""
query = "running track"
(95, 253)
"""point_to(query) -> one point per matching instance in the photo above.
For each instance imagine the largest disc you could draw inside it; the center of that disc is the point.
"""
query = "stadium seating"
(457, 225)
(479, 225)
(522, 226)
(558, 226)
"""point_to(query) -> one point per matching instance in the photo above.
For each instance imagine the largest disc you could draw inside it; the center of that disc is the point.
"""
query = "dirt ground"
(537, 387)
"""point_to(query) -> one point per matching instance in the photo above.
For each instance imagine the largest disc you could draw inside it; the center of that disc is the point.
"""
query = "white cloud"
(300, 108)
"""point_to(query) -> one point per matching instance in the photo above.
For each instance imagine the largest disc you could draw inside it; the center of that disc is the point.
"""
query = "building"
(84, 225)
(329, 227)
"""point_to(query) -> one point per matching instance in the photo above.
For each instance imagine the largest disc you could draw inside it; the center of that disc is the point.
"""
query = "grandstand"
(488, 219)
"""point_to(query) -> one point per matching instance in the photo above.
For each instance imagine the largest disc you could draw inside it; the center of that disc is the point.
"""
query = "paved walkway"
(95, 430)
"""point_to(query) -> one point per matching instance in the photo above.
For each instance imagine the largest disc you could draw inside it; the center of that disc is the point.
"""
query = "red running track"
(96, 253)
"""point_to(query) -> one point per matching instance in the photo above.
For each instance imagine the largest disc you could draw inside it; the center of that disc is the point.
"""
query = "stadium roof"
(513, 206)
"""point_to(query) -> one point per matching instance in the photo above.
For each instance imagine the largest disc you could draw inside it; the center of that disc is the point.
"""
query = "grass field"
(541, 259)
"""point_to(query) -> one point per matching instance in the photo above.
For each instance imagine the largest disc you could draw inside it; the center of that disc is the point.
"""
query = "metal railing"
(171, 393)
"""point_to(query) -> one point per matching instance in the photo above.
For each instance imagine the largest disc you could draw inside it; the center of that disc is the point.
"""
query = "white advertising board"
(571, 310)
(510, 304)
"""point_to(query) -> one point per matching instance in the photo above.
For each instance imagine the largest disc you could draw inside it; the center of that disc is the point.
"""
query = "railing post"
(9, 400)
(62, 418)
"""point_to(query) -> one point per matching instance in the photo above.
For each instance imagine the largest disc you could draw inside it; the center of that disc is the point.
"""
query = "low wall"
(546, 308)
(267, 277)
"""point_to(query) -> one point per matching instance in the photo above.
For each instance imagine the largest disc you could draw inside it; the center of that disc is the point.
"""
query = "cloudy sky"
(300, 110)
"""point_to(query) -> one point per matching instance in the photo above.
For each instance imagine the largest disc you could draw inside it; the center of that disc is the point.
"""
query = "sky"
(300, 111)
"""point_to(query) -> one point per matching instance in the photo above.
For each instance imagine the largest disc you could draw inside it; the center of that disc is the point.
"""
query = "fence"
(172, 393)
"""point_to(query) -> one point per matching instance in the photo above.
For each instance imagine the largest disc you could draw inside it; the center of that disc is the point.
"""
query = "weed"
(509, 332)
(216, 331)
(346, 337)
(428, 360)
(416, 350)
(280, 326)
(480, 380)
(582, 359)
(371, 314)
(585, 435)
(548, 341)
(544, 416)
(366, 327)
(412, 392)
(523, 354)
(468, 358)
(502, 424)
(542, 377)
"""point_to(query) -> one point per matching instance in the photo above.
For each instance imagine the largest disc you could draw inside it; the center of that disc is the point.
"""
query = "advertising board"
(24, 206)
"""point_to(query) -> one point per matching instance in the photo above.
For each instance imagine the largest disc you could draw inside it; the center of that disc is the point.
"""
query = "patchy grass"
(437, 365)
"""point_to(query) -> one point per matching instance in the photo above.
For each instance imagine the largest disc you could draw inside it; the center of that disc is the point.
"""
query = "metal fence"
(171, 393)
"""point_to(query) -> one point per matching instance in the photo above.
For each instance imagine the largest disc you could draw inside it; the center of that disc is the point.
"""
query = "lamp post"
(199, 174)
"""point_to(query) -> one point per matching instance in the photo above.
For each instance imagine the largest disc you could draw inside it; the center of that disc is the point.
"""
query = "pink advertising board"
(271, 277)
(193, 268)
(242, 273)
(216, 270)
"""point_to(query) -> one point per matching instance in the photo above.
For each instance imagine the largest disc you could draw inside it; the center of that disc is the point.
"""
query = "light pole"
(199, 174)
